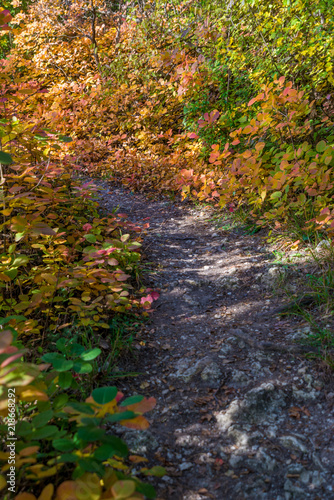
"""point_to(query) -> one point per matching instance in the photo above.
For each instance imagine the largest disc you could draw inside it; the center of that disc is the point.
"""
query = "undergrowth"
(70, 304)
(224, 103)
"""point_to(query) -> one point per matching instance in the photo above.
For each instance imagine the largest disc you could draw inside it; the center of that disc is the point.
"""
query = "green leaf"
(43, 406)
(65, 138)
(321, 146)
(91, 421)
(5, 158)
(44, 432)
(117, 443)
(62, 365)
(90, 237)
(117, 417)
(4, 321)
(68, 457)
(81, 407)
(42, 418)
(63, 445)
(11, 273)
(276, 195)
(20, 260)
(51, 356)
(19, 236)
(60, 401)
(156, 471)
(76, 349)
(104, 452)
(62, 345)
(103, 395)
(23, 428)
(146, 489)
(91, 354)
(90, 433)
(132, 400)
(82, 367)
(91, 465)
(65, 380)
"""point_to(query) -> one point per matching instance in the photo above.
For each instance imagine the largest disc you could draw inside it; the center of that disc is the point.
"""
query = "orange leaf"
(25, 496)
(143, 406)
(66, 491)
(139, 423)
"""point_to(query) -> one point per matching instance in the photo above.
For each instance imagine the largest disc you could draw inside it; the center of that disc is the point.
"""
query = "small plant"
(57, 433)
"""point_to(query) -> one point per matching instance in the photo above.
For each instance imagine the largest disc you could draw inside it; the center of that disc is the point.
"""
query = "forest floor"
(241, 412)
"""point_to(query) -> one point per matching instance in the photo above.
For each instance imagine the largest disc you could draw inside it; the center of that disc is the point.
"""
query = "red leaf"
(143, 406)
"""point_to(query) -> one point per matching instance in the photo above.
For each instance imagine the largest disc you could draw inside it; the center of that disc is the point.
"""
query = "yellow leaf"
(32, 394)
(36, 470)
(88, 487)
(102, 410)
(47, 492)
(3, 482)
(49, 278)
(123, 489)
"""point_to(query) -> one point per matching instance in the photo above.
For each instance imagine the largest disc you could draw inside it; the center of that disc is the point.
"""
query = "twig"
(41, 177)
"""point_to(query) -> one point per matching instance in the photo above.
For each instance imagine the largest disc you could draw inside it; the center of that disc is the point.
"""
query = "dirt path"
(240, 415)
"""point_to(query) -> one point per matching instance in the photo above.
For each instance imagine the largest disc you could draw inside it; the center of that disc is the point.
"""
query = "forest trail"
(240, 413)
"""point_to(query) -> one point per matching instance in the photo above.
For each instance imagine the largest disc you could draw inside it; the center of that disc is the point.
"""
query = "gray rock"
(294, 490)
(185, 370)
(212, 374)
(239, 376)
(229, 281)
(317, 462)
(259, 404)
(271, 432)
(236, 461)
(292, 443)
(308, 378)
(261, 462)
(295, 469)
(225, 349)
(323, 246)
(256, 490)
(273, 275)
(256, 367)
(305, 477)
(186, 466)
(239, 436)
(301, 395)
(188, 441)
(317, 479)
(192, 283)
(189, 300)
(140, 442)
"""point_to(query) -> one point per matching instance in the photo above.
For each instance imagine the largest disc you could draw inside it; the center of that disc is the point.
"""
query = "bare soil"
(241, 412)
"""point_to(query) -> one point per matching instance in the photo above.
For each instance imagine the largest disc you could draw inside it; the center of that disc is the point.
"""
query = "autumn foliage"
(230, 103)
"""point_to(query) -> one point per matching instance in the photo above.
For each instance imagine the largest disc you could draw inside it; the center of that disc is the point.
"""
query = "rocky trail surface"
(241, 412)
